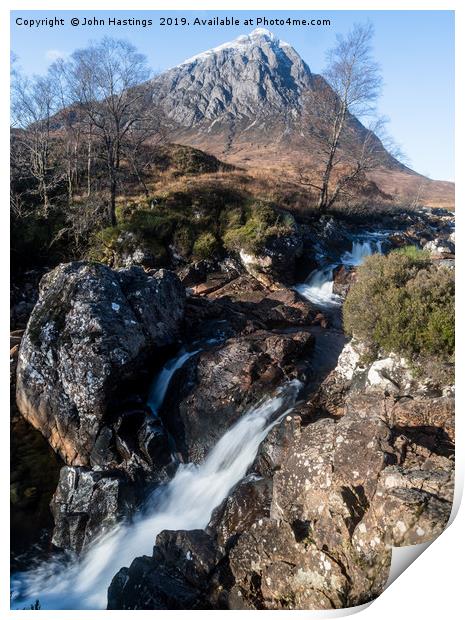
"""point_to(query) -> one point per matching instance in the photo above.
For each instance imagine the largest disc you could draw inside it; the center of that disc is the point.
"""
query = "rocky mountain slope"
(245, 92)
(243, 101)
(253, 76)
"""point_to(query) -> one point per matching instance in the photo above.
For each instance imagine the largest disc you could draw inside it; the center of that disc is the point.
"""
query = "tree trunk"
(45, 197)
(324, 203)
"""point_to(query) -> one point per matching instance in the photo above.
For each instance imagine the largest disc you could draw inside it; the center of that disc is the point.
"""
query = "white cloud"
(55, 55)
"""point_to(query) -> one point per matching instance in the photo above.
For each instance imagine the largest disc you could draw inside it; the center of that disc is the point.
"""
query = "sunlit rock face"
(313, 524)
(91, 330)
(252, 75)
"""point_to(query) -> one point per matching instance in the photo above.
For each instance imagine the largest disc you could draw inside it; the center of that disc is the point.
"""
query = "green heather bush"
(261, 223)
(414, 253)
(205, 246)
(403, 303)
(199, 222)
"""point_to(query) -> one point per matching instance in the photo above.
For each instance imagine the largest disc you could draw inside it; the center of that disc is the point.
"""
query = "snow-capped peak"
(241, 42)
(262, 32)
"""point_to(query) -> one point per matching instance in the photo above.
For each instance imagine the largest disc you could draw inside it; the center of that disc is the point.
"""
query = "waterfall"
(186, 502)
(161, 382)
(360, 250)
(318, 288)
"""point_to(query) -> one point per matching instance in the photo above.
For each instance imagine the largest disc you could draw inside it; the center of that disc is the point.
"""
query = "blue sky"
(415, 50)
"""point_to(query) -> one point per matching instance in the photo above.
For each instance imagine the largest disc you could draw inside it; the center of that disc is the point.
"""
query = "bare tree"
(107, 81)
(139, 143)
(349, 87)
(69, 121)
(416, 200)
(33, 105)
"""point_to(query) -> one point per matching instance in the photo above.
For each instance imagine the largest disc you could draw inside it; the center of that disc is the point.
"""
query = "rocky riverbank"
(362, 462)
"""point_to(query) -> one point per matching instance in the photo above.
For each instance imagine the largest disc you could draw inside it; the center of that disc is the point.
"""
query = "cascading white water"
(161, 382)
(185, 503)
(360, 250)
(318, 288)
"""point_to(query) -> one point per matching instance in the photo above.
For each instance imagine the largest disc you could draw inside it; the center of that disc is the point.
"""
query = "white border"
(432, 587)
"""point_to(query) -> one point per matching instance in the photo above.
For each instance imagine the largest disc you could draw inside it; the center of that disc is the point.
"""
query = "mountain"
(243, 102)
(252, 76)
(244, 94)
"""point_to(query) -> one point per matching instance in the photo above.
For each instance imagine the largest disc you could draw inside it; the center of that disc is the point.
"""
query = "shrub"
(188, 160)
(403, 303)
(262, 222)
(206, 246)
(414, 253)
(197, 220)
(110, 244)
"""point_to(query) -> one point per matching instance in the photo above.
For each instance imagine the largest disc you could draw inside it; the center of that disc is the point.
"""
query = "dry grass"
(275, 159)
(281, 183)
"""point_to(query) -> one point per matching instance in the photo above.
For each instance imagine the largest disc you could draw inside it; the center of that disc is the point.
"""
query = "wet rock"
(276, 263)
(193, 553)
(175, 577)
(400, 240)
(88, 503)
(213, 389)
(250, 501)
(92, 330)
(206, 276)
(146, 586)
(276, 446)
(343, 278)
(196, 272)
(271, 309)
(321, 320)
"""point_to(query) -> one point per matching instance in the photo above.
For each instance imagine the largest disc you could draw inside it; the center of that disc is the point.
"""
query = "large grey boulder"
(91, 331)
(275, 263)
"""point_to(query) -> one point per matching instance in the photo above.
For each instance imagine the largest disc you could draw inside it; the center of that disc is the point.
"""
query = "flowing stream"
(161, 382)
(360, 250)
(186, 502)
(318, 287)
